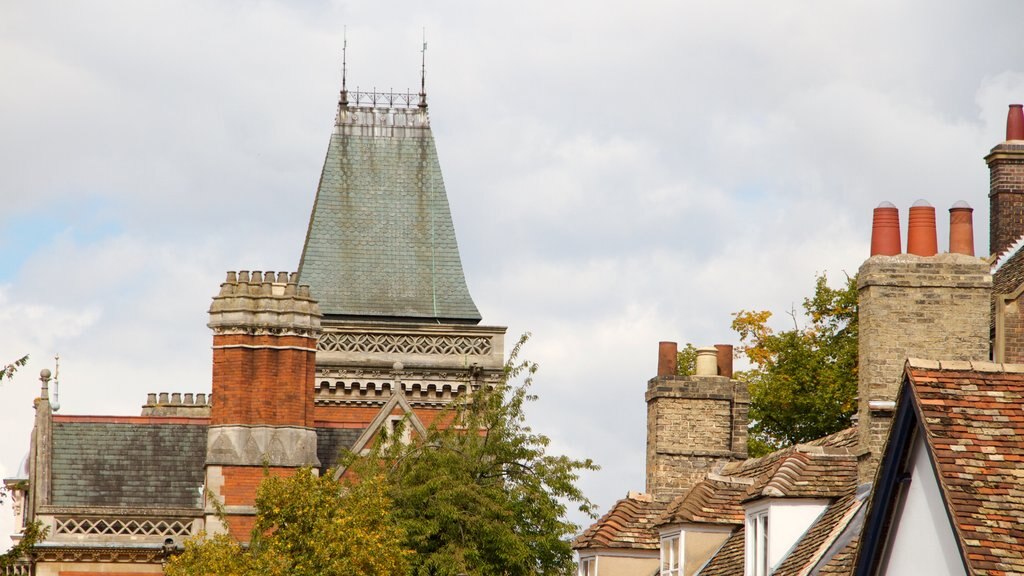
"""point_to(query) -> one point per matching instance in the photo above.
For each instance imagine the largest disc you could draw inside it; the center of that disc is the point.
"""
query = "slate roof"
(330, 442)
(381, 243)
(973, 417)
(629, 524)
(128, 462)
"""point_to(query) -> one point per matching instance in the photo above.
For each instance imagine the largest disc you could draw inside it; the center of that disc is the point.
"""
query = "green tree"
(803, 381)
(687, 360)
(33, 531)
(479, 495)
(306, 525)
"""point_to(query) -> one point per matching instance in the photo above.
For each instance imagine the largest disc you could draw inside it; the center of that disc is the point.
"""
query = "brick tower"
(922, 304)
(693, 422)
(265, 329)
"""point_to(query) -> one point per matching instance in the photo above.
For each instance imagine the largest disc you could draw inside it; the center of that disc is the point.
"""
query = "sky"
(618, 174)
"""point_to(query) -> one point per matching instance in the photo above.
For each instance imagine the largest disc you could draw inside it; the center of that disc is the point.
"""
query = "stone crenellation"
(264, 302)
(177, 404)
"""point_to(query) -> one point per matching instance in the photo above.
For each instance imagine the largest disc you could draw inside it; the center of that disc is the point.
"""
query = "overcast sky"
(618, 174)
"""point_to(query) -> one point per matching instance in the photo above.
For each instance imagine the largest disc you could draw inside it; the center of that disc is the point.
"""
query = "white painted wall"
(788, 520)
(922, 541)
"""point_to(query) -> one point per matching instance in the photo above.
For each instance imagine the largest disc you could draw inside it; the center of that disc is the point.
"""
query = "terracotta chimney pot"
(885, 230)
(1015, 122)
(724, 359)
(921, 237)
(668, 359)
(961, 229)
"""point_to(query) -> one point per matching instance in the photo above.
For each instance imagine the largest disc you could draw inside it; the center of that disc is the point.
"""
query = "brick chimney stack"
(265, 331)
(694, 422)
(1006, 184)
(923, 305)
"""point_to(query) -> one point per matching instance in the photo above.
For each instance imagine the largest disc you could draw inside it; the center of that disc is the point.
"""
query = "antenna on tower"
(423, 71)
(55, 405)
(343, 101)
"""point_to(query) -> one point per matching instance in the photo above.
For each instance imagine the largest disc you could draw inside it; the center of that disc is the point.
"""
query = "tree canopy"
(476, 495)
(480, 495)
(803, 381)
(33, 531)
(306, 525)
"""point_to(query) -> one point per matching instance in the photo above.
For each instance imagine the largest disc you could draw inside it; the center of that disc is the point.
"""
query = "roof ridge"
(965, 365)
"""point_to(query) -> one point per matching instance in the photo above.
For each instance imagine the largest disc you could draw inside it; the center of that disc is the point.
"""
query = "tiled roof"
(728, 561)
(842, 563)
(381, 243)
(128, 465)
(823, 468)
(812, 472)
(712, 501)
(973, 416)
(629, 524)
(769, 464)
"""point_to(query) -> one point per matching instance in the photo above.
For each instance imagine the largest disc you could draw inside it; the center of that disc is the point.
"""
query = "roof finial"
(343, 101)
(423, 71)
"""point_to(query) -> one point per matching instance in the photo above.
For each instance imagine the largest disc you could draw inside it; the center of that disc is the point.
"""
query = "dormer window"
(757, 543)
(588, 567)
(671, 555)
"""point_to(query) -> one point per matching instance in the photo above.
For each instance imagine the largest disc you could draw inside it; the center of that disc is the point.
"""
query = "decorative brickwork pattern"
(404, 344)
(123, 527)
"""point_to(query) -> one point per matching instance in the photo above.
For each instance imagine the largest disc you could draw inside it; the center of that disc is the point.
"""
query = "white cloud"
(618, 175)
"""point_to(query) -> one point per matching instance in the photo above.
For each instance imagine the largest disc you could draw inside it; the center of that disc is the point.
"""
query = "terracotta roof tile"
(974, 423)
(842, 564)
(711, 501)
(629, 524)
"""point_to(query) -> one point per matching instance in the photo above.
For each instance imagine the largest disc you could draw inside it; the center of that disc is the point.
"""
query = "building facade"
(376, 326)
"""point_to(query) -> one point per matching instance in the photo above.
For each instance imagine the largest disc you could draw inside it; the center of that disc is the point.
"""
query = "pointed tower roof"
(381, 244)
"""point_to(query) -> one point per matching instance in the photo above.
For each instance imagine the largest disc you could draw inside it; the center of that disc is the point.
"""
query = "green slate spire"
(381, 244)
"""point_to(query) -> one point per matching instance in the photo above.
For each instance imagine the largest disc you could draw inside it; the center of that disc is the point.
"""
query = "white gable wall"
(922, 541)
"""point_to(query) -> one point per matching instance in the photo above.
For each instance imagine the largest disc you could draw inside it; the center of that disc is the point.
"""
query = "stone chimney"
(693, 422)
(265, 331)
(924, 306)
(1006, 184)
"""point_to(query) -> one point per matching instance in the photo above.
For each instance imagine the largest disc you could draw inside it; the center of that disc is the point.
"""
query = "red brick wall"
(241, 482)
(263, 385)
(1006, 202)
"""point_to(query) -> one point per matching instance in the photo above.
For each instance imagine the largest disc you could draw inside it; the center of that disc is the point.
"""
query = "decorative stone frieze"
(261, 446)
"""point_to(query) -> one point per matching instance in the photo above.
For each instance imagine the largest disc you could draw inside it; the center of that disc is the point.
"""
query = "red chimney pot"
(921, 238)
(885, 230)
(1015, 122)
(724, 359)
(668, 359)
(961, 229)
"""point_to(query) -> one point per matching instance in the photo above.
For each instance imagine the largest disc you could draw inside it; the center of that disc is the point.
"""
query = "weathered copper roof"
(629, 524)
(381, 243)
